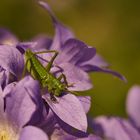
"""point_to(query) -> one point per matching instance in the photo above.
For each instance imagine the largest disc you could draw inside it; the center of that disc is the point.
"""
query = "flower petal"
(33, 133)
(8, 89)
(86, 102)
(77, 77)
(3, 77)
(22, 46)
(69, 110)
(7, 38)
(94, 68)
(75, 51)
(117, 128)
(11, 59)
(60, 134)
(90, 137)
(133, 105)
(1, 106)
(96, 60)
(24, 104)
(61, 32)
(43, 41)
(48, 124)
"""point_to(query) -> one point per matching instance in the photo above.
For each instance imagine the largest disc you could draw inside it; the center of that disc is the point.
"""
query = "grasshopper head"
(28, 53)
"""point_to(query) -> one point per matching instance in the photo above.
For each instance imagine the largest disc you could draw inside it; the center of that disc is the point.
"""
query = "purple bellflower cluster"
(26, 109)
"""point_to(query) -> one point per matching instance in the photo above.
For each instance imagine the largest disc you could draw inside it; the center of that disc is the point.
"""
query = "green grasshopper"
(46, 79)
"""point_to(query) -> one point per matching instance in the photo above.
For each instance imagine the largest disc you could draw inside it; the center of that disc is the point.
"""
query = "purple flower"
(73, 114)
(74, 51)
(118, 128)
(21, 112)
(26, 112)
(75, 57)
(74, 60)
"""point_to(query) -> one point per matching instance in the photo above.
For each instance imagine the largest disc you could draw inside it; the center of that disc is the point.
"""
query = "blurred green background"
(113, 27)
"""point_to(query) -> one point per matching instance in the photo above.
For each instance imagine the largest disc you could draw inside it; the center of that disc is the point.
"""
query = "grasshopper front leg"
(49, 65)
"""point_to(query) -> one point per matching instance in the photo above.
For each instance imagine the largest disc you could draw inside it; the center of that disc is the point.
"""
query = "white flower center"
(4, 135)
(7, 132)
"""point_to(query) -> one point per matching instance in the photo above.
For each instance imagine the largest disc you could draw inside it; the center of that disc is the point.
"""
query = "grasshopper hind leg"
(62, 76)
